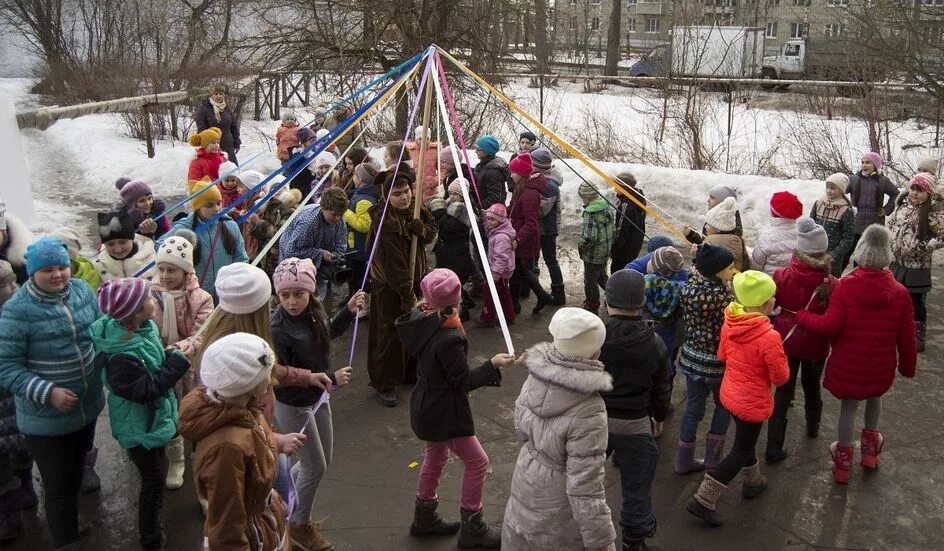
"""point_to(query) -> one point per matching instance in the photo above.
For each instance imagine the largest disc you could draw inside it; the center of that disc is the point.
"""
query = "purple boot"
(685, 461)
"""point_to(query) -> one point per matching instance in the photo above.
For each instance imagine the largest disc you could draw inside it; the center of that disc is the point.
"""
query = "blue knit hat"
(488, 144)
(46, 251)
(659, 241)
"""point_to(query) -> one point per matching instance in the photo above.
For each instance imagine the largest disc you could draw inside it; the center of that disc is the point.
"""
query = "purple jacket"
(525, 216)
(501, 250)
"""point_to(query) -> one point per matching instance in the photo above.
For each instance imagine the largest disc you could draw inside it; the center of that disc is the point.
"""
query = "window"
(573, 23)
(797, 30)
(771, 30)
(838, 3)
(595, 24)
(653, 25)
(631, 24)
(791, 50)
(834, 29)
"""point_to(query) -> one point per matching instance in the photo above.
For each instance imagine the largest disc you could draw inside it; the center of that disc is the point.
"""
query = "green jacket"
(596, 235)
(83, 269)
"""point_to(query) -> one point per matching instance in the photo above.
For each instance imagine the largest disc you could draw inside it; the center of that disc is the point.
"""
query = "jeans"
(60, 460)
(847, 415)
(313, 457)
(549, 252)
(695, 410)
(742, 453)
(152, 467)
(469, 450)
(594, 279)
(810, 373)
(636, 456)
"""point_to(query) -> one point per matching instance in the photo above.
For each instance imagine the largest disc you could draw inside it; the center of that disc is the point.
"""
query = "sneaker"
(308, 538)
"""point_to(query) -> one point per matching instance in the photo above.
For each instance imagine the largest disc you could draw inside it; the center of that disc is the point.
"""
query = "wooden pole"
(421, 169)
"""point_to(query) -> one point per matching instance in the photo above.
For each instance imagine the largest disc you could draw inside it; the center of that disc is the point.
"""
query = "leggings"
(470, 451)
(742, 453)
(847, 414)
(920, 309)
(313, 457)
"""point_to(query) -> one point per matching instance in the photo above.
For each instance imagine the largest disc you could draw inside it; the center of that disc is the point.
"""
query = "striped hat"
(122, 298)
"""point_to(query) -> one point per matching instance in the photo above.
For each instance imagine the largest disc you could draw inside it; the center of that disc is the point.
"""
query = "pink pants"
(470, 451)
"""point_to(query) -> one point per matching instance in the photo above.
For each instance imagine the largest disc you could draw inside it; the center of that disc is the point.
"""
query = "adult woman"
(213, 112)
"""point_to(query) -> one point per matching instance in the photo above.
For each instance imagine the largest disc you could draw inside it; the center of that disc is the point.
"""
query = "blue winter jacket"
(45, 343)
(211, 240)
(309, 234)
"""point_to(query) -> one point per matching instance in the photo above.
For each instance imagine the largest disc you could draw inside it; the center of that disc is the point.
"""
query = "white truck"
(706, 51)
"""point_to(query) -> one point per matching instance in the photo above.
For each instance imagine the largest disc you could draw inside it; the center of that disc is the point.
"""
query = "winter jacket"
(142, 255)
(206, 165)
(228, 123)
(45, 343)
(866, 193)
(212, 252)
(735, 245)
(838, 220)
(525, 216)
(235, 469)
(452, 242)
(304, 178)
(910, 251)
(775, 246)
(82, 268)
(629, 229)
(501, 250)
(347, 139)
(635, 357)
(754, 364)
(309, 235)
(229, 197)
(491, 177)
(294, 342)
(430, 178)
(357, 218)
(19, 237)
(703, 304)
(550, 202)
(870, 324)
(142, 407)
(193, 308)
(596, 232)
(439, 404)
(286, 137)
(558, 499)
(273, 215)
(796, 287)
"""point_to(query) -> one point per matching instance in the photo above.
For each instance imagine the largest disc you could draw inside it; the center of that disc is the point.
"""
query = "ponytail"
(319, 326)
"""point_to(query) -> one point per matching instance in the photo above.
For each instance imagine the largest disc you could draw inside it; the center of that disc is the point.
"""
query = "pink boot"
(842, 462)
(871, 442)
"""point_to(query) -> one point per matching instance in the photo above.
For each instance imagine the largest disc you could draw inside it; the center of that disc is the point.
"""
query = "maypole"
(421, 171)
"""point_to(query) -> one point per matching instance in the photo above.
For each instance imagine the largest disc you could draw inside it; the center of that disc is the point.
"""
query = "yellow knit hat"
(753, 288)
(211, 195)
(203, 139)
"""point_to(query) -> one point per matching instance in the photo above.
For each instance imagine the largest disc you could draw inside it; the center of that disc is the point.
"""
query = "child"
(440, 413)
(917, 227)
(805, 284)
(596, 239)
(558, 499)
(82, 268)
(501, 260)
(236, 451)
(357, 217)
(867, 189)
(720, 226)
(125, 253)
(525, 215)
(46, 361)
(834, 213)
(140, 378)
(703, 302)
(303, 178)
(217, 246)
(302, 337)
(635, 357)
(208, 158)
(286, 137)
(755, 361)
(455, 232)
(870, 322)
(630, 224)
(663, 300)
(929, 165)
(776, 243)
(264, 223)
(248, 180)
(323, 165)
(430, 183)
(142, 206)
(229, 183)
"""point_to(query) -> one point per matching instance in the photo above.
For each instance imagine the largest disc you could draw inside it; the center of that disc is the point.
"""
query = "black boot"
(476, 534)
(812, 422)
(90, 480)
(921, 334)
(26, 493)
(560, 297)
(544, 298)
(427, 522)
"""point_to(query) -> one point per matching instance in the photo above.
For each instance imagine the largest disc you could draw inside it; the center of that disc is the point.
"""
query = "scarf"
(218, 108)
(831, 210)
(169, 320)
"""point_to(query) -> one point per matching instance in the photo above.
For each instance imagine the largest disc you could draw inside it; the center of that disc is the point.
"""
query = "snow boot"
(812, 422)
(476, 534)
(427, 522)
(90, 480)
(842, 462)
(714, 451)
(871, 444)
(175, 464)
(705, 501)
(560, 296)
(307, 537)
(26, 493)
(921, 334)
(685, 461)
(754, 482)
(544, 298)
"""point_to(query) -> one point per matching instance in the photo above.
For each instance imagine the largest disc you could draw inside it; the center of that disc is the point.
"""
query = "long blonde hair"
(222, 323)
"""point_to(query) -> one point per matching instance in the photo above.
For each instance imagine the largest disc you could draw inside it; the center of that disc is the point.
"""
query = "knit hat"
(528, 135)
(132, 191)
(325, 158)
(445, 156)
(522, 165)
(121, 181)
(711, 259)
(187, 234)
(436, 205)
(295, 273)
(874, 250)
(115, 225)
(784, 204)
(441, 288)
(46, 251)
(658, 242)
(288, 116)
(419, 132)
(236, 364)
(304, 134)
(176, 251)
(203, 139)
(722, 192)
(228, 170)
(250, 178)
(541, 158)
(586, 192)
(577, 333)
(839, 180)
(722, 216)
(456, 185)
(626, 290)
(753, 288)
(811, 237)
(487, 144)
(365, 172)
(497, 211)
(404, 176)
(929, 165)
(7, 281)
(321, 134)
(873, 158)
(667, 261)
(122, 298)
(211, 195)
(71, 239)
(242, 288)
(923, 181)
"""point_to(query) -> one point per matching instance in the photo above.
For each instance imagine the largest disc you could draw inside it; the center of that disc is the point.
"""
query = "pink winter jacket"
(192, 310)
(430, 177)
(501, 250)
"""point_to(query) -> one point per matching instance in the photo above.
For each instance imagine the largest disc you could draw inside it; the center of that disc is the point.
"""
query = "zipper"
(75, 343)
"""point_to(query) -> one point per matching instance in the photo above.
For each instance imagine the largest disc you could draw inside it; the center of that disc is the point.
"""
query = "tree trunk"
(613, 40)
(540, 35)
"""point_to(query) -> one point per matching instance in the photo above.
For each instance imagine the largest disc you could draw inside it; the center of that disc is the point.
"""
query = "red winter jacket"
(525, 217)
(754, 364)
(206, 164)
(870, 322)
(796, 285)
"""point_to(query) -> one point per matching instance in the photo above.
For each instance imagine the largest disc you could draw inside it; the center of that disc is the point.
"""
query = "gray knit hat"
(723, 191)
(927, 164)
(811, 237)
(667, 261)
(874, 250)
(626, 290)
(541, 158)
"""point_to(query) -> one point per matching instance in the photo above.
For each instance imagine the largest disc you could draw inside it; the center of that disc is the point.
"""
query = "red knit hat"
(522, 165)
(924, 182)
(441, 288)
(786, 205)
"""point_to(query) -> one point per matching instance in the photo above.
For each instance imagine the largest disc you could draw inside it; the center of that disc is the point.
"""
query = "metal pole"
(421, 170)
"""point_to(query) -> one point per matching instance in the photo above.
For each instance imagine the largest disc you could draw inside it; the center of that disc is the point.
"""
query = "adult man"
(491, 174)
(340, 115)
(550, 219)
(319, 233)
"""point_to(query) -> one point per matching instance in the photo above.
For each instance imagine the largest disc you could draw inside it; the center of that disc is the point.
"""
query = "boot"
(754, 483)
(560, 296)
(871, 444)
(90, 480)
(427, 522)
(307, 537)
(26, 493)
(175, 464)
(921, 334)
(812, 423)
(685, 461)
(638, 545)
(714, 451)
(387, 396)
(476, 534)
(544, 298)
(703, 504)
(842, 462)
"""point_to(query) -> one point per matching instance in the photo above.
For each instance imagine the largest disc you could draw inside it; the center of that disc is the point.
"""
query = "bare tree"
(613, 39)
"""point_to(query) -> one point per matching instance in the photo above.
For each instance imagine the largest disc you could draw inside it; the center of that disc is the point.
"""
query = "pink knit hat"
(522, 165)
(132, 191)
(456, 185)
(497, 211)
(122, 298)
(295, 273)
(923, 181)
(873, 158)
(441, 288)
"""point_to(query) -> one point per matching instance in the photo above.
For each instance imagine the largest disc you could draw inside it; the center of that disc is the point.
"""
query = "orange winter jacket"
(754, 364)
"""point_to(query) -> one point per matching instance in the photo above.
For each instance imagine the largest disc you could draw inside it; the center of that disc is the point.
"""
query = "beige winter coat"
(557, 497)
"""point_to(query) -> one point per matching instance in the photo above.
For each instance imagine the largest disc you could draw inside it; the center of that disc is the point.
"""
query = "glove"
(416, 227)
(693, 237)
(176, 360)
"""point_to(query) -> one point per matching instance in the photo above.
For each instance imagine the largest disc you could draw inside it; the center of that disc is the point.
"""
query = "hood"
(597, 205)
(743, 326)
(416, 329)
(805, 265)
(370, 190)
(787, 224)
(190, 284)
(19, 238)
(871, 288)
(496, 163)
(624, 335)
(200, 416)
(111, 337)
(557, 384)
(554, 174)
(937, 201)
(537, 182)
(506, 228)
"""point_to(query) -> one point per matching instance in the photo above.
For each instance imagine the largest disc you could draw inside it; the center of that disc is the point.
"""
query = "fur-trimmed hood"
(557, 384)
(937, 201)
(19, 238)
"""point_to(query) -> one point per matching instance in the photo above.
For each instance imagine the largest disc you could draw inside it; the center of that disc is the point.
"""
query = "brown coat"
(735, 245)
(235, 468)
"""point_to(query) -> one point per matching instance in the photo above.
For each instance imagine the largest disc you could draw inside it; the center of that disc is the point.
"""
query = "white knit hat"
(811, 237)
(577, 333)
(722, 216)
(839, 180)
(250, 178)
(228, 170)
(242, 288)
(235, 364)
(176, 251)
(929, 164)
(325, 158)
